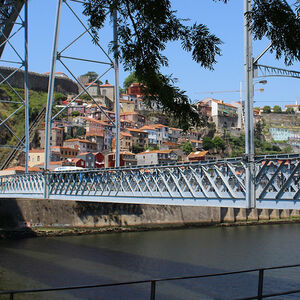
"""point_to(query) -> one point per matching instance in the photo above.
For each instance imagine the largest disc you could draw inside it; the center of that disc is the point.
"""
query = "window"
(38, 158)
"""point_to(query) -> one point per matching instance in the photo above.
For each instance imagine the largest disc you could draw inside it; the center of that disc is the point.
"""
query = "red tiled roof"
(126, 134)
(170, 144)
(95, 134)
(77, 159)
(178, 129)
(94, 121)
(197, 154)
(126, 101)
(84, 153)
(159, 126)
(136, 130)
(81, 141)
(195, 141)
(91, 84)
(34, 169)
(129, 113)
(37, 151)
(17, 168)
(156, 151)
(20, 168)
(147, 127)
(52, 163)
(63, 148)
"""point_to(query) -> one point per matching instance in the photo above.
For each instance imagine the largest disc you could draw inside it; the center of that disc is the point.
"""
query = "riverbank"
(20, 233)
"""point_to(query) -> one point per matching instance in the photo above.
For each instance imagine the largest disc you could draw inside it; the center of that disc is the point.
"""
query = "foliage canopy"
(145, 27)
(277, 109)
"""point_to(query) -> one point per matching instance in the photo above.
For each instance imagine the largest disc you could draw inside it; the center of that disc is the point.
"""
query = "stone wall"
(83, 214)
(39, 82)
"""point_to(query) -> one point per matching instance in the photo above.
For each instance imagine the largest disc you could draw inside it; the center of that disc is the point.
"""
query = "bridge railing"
(154, 283)
(277, 182)
(215, 181)
(27, 185)
(209, 183)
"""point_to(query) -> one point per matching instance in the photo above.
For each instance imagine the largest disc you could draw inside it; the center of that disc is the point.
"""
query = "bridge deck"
(214, 183)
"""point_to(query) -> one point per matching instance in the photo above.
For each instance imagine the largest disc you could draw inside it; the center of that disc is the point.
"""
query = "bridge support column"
(50, 99)
(249, 122)
(285, 213)
(241, 214)
(227, 214)
(252, 214)
(264, 214)
(275, 214)
(295, 213)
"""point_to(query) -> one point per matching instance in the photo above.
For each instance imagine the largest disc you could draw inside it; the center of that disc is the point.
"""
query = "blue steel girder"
(214, 183)
(9, 12)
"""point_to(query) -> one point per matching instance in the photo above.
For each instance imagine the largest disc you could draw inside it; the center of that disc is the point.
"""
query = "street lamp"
(261, 82)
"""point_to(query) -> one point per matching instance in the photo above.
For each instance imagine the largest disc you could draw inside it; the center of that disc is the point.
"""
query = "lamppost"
(249, 120)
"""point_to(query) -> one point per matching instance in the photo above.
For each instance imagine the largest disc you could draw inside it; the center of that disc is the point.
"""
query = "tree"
(187, 148)
(93, 76)
(276, 20)
(277, 109)
(86, 97)
(59, 97)
(211, 129)
(207, 143)
(258, 131)
(78, 131)
(267, 109)
(137, 148)
(219, 144)
(290, 110)
(145, 27)
(75, 113)
(129, 80)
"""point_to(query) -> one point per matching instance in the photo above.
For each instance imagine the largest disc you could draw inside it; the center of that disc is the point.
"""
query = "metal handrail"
(153, 282)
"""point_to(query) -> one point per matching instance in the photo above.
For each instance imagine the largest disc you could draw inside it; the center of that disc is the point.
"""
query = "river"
(107, 258)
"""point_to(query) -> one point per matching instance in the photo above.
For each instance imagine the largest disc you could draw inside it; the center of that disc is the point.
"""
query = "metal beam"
(117, 91)
(249, 123)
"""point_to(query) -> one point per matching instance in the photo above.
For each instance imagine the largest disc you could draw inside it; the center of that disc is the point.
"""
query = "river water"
(108, 258)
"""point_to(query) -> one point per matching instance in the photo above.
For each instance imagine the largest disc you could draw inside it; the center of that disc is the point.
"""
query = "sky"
(223, 20)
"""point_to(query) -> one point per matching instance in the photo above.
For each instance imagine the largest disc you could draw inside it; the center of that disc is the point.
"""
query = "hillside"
(17, 122)
(281, 120)
(286, 122)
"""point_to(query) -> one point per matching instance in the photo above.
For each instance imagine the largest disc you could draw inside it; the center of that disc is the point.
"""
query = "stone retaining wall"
(81, 214)
(39, 82)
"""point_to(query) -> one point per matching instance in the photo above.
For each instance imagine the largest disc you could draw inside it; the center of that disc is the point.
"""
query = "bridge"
(261, 182)
(220, 183)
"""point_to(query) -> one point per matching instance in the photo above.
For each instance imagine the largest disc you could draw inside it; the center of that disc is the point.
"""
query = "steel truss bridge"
(220, 183)
(261, 182)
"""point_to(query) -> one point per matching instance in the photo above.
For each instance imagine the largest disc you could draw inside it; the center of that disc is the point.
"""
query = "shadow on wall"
(12, 220)
(112, 211)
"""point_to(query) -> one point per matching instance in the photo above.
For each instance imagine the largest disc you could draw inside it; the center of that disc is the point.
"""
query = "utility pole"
(249, 124)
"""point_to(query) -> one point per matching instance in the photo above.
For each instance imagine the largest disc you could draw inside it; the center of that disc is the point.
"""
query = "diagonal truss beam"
(10, 16)
(269, 71)
(61, 57)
